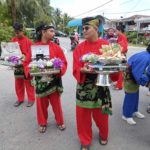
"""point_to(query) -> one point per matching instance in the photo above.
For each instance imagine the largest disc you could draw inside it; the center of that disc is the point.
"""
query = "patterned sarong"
(45, 88)
(130, 84)
(19, 71)
(88, 95)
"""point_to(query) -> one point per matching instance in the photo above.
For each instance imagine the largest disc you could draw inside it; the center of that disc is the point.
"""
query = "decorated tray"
(46, 72)
(6, 63)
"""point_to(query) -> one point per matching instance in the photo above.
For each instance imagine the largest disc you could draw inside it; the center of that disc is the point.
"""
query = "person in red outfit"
(48, 92)
(122, 40)
(90, 99)
(21, 82)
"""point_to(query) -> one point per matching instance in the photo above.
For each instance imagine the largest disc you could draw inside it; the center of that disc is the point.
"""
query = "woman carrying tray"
(48, 92)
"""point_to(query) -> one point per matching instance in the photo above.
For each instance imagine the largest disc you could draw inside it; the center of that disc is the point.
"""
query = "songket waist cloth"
(89, 95)
(45, 88)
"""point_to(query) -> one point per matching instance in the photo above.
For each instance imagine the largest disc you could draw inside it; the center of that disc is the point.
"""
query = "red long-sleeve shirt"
(24, 44)
(122, 40)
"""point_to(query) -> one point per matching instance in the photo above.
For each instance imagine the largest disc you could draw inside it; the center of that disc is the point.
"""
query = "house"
(140, 23)
(143, 23)
(135, 23)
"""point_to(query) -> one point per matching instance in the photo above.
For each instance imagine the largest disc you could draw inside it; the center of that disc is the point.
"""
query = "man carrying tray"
(48, 92)
(90, 99)
(21, 82)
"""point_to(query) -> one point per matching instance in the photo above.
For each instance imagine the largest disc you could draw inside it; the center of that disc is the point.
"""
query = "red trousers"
(22, 84)
(84, 124)
(42, 108)
(119, 84)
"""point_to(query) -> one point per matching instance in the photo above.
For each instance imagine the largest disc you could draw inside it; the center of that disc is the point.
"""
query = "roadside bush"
(131, 36)
(146, 42)
(6, 33)
(141, 39)
(134, 39)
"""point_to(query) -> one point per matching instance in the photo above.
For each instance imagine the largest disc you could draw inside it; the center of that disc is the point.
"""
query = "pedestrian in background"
(21, 82)
(110, 36)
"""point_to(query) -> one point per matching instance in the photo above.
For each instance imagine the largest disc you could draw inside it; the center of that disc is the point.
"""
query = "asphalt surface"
(19, 130)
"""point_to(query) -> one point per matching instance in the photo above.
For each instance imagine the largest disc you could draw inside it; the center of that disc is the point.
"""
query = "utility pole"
(138, 29)
(63, 23)
(103, 27)
(13, 9)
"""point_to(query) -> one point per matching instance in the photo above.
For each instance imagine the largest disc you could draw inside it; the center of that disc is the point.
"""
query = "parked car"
(60, 33)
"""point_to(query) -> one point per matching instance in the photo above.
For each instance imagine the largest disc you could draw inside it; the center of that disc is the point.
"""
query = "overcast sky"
(112, 10)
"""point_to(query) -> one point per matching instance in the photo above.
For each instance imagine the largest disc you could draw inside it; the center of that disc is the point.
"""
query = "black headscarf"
(93, 21)
(18, 26)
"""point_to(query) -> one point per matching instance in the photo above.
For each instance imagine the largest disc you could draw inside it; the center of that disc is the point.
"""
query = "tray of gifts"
(44, 67)
(12, 61)
(112, 54)
(7, 63)
(45, 72)
(111, 59)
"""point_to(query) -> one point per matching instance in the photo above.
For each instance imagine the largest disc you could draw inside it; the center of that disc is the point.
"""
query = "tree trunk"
(13, 9)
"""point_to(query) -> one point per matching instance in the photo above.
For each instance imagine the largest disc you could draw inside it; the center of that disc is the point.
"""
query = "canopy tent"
(75, 22)
(78, 23)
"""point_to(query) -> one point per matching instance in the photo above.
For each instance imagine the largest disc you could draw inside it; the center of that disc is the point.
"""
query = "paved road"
(18, 127)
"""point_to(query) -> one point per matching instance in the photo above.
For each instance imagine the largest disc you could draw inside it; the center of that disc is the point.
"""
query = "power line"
(126, 2)
(103, 10)
(93, 9)
(128, 12)
(133, 7)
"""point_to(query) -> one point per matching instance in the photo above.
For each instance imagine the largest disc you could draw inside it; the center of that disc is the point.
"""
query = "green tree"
(56, 18)
(32, 12)
(5, 17)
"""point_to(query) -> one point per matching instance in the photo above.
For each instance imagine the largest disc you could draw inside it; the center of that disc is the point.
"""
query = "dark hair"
(18, 26)
(120, 28)
(148, 48)
(110, 29)
(39, 30)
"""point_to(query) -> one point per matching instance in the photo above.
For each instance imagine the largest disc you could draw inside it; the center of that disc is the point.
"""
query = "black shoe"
(30, 104)
(148, 109)
(103, 142)
(85, 147)
(17, 103)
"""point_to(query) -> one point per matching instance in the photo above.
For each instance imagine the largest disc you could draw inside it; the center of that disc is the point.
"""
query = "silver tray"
(108, 68)
(6, 63)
